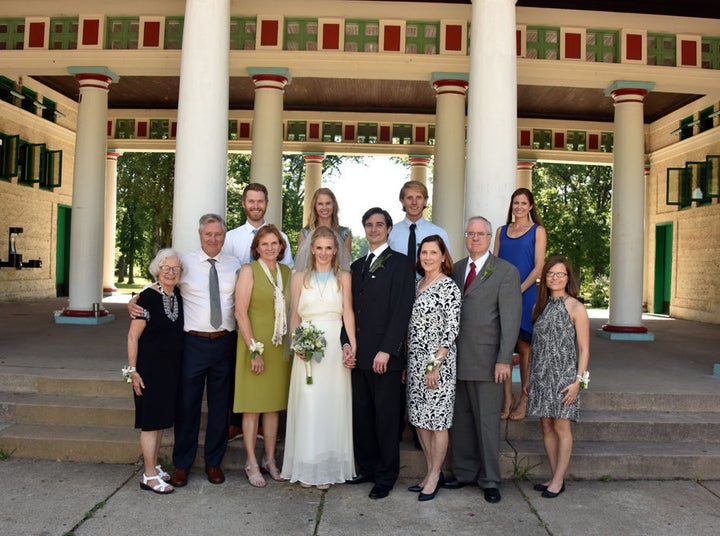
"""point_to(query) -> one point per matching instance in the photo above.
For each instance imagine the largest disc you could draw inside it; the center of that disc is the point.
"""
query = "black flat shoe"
(551, 495)
(379, 492)
(539, 487)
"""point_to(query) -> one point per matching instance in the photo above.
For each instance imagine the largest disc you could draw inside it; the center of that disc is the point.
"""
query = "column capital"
(112, 154)
(456, 83)
(270, 77)
(100, 77)
(313, 158)
(526, 163)
(629, 91)
(419, 160)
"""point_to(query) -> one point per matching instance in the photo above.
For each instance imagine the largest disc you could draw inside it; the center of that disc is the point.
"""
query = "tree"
(574, 202)
(145, 184)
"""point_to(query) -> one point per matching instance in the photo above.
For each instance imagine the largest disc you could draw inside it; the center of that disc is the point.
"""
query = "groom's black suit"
(382, 299)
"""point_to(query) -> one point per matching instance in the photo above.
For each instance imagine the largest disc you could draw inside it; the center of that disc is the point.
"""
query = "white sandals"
(161, 488)
(162, 474)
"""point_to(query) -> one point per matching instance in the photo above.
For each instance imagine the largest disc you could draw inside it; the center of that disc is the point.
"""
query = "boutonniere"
(487, 272)
(379, 263)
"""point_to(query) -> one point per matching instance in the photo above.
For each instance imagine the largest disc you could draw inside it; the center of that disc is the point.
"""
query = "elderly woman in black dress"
(154, 354)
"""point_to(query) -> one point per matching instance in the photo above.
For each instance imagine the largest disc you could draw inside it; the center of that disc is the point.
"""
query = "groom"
(383, 292)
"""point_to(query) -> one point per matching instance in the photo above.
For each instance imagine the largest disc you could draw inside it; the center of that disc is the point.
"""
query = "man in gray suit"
(489, 326)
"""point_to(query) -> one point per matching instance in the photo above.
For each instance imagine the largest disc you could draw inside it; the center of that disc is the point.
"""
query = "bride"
(319, 442)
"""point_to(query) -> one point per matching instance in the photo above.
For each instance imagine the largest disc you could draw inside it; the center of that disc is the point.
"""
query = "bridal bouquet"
(309, 343)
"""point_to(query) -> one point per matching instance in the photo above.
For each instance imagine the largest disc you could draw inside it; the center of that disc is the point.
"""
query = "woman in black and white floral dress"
(431, 368)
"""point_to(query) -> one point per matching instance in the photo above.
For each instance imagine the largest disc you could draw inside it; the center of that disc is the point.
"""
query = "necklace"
(326, 277)
(424, 285)
(169, 304)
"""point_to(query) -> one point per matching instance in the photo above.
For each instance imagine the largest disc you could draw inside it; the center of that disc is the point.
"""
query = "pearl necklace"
(424, 285)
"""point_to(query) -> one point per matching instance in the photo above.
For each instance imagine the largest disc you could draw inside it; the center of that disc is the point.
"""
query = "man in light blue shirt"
(414, 197)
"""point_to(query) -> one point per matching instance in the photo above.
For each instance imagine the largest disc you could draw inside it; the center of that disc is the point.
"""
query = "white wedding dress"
(319, 441)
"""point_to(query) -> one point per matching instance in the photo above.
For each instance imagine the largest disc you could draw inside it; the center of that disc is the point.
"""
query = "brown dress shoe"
(179, 478)
(215, 474)
(234, 431)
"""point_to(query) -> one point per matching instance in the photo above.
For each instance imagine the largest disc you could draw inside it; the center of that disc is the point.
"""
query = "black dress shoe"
(359, 479)
(379, 492)
(417, 488)
(551, 495)
(454, 484)
(539, 487)
(492, 495)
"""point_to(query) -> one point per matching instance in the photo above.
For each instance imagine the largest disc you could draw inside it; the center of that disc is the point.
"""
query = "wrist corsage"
(256, 348)
(432, 364)
(127, 373)
(584, 379)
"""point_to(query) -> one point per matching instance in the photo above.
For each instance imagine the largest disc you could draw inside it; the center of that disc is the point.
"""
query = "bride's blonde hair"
(322, 232)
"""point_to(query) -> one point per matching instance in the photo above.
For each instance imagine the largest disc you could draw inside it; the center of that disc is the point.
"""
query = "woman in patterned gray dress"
(561, 351)
(431, 365)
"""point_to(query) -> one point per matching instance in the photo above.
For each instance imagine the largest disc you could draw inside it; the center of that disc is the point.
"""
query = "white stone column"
(628, 213)
(490, 172)
(202, 132)
(419, 167)
(449, 171)
(524, 173)
(313, 181)
(88, 202)
(267, 135)
(108, 278)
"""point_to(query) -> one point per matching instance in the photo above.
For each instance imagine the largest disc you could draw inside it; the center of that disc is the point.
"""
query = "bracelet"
(584, 379)
(127, 373)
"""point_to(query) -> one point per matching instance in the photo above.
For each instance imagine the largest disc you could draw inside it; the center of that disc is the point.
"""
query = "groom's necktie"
(412, 244)
(470, 277)
(215, 309)
(366, 266)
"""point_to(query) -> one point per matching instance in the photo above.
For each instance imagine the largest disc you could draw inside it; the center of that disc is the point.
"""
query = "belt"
(208, 334)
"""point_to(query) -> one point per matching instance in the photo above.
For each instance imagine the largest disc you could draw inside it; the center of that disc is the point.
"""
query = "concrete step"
(625, 401)
(624, 460)
(650, 426)
(35, 408)
(62, 384)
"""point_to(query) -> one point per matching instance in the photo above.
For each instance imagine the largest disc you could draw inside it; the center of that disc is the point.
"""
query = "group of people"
(405, 331)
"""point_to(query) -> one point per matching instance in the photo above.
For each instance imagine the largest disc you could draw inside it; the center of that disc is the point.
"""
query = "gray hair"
(159, 259)
(480, 218)
(211, 218)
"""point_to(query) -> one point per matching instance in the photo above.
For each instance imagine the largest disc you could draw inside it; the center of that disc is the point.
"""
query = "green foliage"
(574, 202)
(522, 470)
(598, 291)
(6, 454)
(359, 247)
(145, 184)
(238, 178)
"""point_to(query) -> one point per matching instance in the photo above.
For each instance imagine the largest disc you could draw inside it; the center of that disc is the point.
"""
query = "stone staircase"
(621, 435)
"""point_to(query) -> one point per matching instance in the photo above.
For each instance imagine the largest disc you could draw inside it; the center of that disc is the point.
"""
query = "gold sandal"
(272, 469)
(254, 477)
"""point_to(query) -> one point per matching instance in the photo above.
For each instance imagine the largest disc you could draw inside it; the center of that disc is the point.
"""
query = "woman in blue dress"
(522, 242)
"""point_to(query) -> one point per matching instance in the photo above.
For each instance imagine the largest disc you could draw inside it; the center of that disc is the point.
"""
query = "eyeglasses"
(173, 269)
(555, 275)
(468, 234)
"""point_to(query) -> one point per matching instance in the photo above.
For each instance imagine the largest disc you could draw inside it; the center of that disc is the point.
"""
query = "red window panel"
(392, 39)
(688, 53)
(420, 134)
(518, 43)
(269, 33)
(314, 131)
(173, 129)
(151, 37)
(109, 128)
(593, 142)
(559, 140)
(385, 134)
(633, 45)
(331, 37)
(349, 133)
(142, 130)
(525, 138)
(572, 46)
(91, 32)
(453, 37)
(245, 131)
(37, 35)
